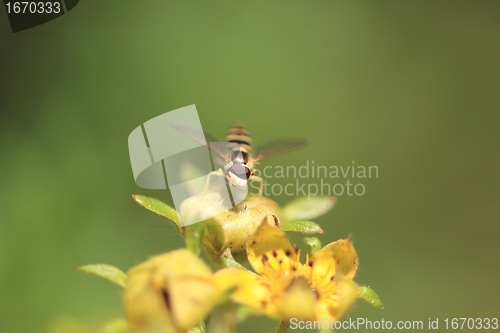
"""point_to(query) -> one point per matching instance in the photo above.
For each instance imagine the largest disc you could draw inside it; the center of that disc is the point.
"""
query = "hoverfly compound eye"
(240, 171)
(248, 172)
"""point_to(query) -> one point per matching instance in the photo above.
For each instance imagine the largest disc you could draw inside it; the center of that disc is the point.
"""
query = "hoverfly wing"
(202, 137)
(278, 147)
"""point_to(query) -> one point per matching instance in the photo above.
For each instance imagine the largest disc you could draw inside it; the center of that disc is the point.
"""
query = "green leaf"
(213, 241)
(194, 236)
(115, 326)
(305, 208)
(214, 234)
(370, 296)
(313, 245)
(108, 272)
(228, 261)
(304, 227)
(159, 207)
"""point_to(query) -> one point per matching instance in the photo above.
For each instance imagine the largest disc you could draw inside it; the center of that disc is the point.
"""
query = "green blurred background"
(411, 87)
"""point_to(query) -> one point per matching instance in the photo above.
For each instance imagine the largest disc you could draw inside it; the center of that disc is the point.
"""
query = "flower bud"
(175, 289)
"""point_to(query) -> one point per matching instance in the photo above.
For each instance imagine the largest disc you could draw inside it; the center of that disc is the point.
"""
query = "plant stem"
(282, 327)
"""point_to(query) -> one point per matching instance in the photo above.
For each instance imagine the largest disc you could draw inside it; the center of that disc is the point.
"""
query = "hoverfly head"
(238, 175)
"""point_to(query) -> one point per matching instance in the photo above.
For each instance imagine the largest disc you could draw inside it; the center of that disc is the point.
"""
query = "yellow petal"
(298, 301)
(328, 308)
(339, 255)
(348, 293)
(335, 306)
(239, 223)
(176, 288)
(252, 289)
(144, 304)
(270, 253)
(192, 299)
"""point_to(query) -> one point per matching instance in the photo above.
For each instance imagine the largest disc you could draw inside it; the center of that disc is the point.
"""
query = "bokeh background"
(411, 87)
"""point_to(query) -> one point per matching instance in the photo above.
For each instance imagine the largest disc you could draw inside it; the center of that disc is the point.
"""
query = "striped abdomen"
(239, 143)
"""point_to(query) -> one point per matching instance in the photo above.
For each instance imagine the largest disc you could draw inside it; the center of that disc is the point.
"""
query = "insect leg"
(218, 172)
(261, 189)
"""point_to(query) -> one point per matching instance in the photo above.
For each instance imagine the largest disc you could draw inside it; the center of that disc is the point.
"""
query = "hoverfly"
(238, 161)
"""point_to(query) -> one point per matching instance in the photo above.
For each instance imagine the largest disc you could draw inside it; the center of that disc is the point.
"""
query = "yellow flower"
(175, 290)
(285, 288)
